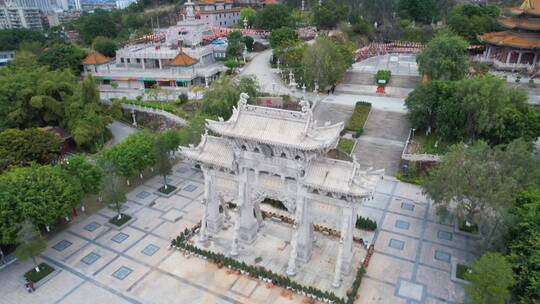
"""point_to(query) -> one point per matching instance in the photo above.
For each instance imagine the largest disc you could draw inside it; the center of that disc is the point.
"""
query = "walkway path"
(120, 131)
(100, 264)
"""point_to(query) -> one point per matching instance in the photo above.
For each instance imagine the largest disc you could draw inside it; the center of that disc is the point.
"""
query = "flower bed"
(384, 75)
(34, 276)
(263, 274)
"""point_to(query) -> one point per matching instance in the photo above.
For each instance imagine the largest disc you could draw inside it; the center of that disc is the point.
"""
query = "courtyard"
(99, 264)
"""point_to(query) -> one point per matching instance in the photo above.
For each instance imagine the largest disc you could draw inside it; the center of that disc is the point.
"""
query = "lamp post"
(245, 23)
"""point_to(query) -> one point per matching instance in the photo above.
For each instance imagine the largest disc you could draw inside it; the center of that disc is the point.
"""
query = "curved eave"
(216, 127)
(511, 23)
(511, 40)
(358, 193)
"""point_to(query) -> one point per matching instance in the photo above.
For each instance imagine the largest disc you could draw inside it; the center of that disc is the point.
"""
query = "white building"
(13, 17)
(6, 57)
(218, 13)
(174, 62)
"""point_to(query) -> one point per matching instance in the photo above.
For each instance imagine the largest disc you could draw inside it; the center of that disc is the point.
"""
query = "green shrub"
(359, 117)
(345, 145)
(365, 223)
(383, 75)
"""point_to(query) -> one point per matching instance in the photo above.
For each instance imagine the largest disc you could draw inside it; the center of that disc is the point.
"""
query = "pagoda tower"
(518, 47)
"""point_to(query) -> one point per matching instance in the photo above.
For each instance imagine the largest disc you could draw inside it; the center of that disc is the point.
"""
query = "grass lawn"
(416, 180)
(345, 145)
(34, 276)
(429, 144)
(359, 117)
(119, 222)
(472, 228)
(461, 270)
(170, 188)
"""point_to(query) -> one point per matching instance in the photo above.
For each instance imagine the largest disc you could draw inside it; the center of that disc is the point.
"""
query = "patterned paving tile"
(143, 194)
(90, 258)
(91, 227)
(442, 256)
(190, 188)
(402, 224)
(407, 206)
(396, 244)
(120, 237)
(62, 245)
(150, 250)
(444, 235)
(122, 272)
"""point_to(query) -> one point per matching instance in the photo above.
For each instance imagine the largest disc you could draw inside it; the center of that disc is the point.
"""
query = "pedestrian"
(27, 286)
(2, 260)
(32, 288)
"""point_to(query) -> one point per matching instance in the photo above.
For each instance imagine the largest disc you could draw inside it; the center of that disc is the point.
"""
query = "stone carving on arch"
(258, 196)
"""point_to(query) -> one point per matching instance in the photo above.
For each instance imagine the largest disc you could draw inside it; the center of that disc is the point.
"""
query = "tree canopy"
(99, 23)
(491, 278)
(444, 58)
(469, 20)
(105, 46)
(283, 36)
(524, 239)
(133, 155)
(11, 39)
(21, 147)
(478, 183)
(326, 61)
(329, 14)
(273, 16)
(63, 56)
(224, 94)
(249, 14)
(483, 107)
(425, 11)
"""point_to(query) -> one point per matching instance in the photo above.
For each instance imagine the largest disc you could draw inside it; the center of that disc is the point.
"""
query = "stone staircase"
(399, 81)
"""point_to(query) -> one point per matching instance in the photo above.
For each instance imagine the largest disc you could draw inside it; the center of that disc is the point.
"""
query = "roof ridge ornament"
(242, 102)
(527, 4)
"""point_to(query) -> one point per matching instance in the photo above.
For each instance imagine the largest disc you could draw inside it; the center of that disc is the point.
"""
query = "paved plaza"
(99, 264)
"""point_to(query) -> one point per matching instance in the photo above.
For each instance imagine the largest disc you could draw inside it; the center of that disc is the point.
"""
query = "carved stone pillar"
(248, 224)
(305, 230)
(291, 267)
(345, 246)
(214, 221)
(236, 235)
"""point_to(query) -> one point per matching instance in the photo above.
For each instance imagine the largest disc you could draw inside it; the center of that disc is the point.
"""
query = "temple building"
(172, 60)
(279, 154)
(218, 13)
(518, 47)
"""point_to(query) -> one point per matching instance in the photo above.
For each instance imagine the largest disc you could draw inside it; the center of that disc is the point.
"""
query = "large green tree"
(249, 14)
(524, 246)
(425, 11)
(31, 243)
(105, 46)
(163, 159)
(42, 194)
(113, 191)
(63, 56)
(444, 58)
(329, 14)
(273, 16)
(469, 20)
(100, 23)
(491, 278)
(326, 61)
(479, 108)
(283, 36)
(479, 184)
(133, 155)
(85, 172)
(224, 94)
(11, 39)
(21, 147)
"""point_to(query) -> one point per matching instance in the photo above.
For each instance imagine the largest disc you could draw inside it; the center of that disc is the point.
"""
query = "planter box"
(167, 195)
(108, 224)
(465, 233)
(454, 274)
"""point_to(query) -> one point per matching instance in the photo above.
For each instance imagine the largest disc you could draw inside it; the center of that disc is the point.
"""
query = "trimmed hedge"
(34, 276)
(151, 104)
(358, 118)
(365, 223)
(345, 145)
